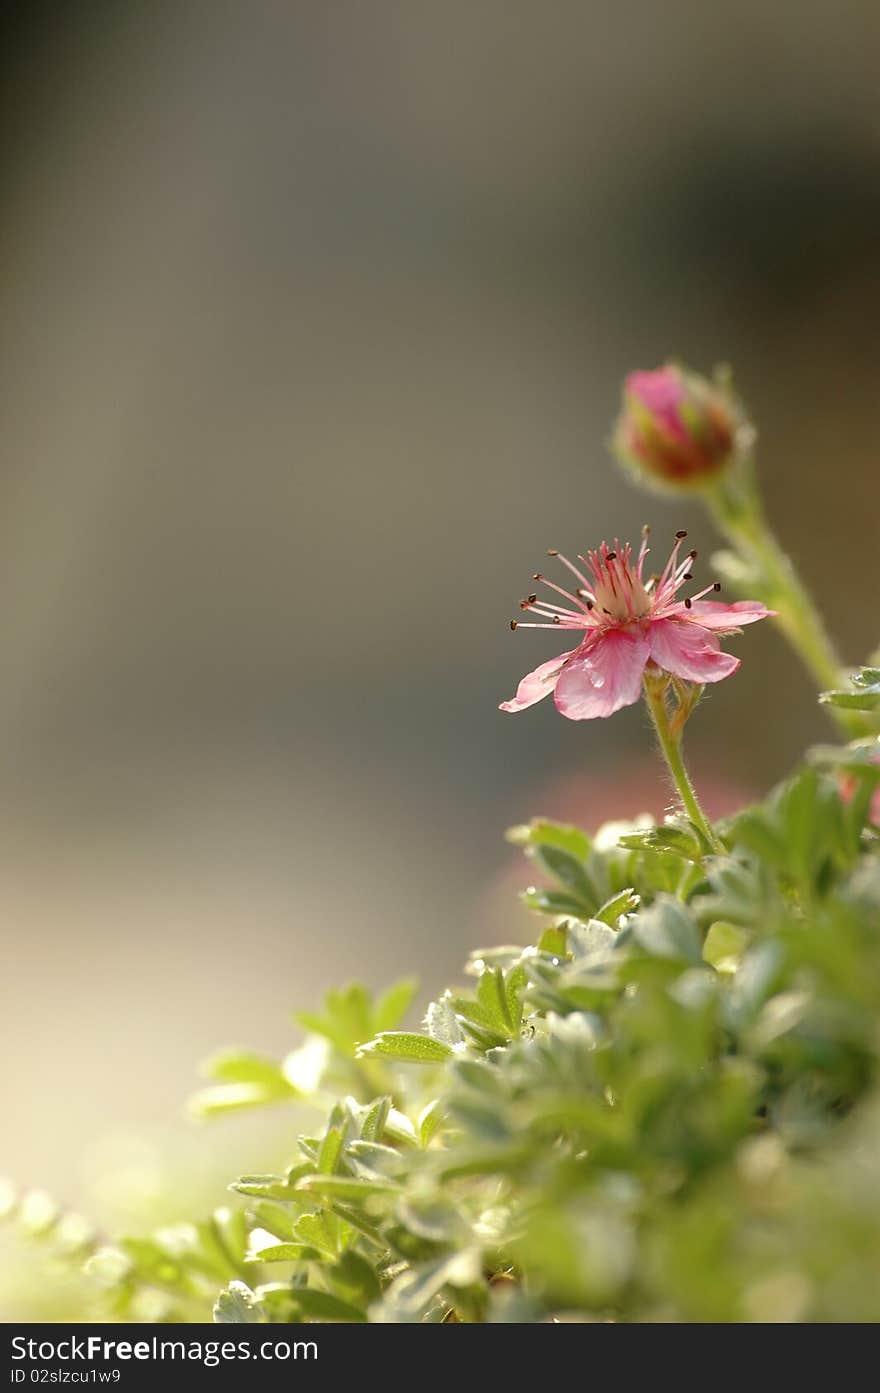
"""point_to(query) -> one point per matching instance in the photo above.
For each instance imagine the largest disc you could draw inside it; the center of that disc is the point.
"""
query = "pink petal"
(661, 392)
(537, 684)
(604, 676)
(684, 648)
(725, 618)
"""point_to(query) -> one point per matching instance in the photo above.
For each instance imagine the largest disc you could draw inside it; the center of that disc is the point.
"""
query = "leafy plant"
(665, 1108)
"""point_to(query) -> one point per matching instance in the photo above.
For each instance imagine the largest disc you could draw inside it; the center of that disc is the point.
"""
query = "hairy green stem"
(736, 509)
(669, 739)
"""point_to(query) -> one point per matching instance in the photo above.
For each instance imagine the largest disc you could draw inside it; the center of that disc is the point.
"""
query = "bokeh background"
(314, 320)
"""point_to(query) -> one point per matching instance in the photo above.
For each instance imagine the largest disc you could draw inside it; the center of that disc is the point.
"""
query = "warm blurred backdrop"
(314, 322)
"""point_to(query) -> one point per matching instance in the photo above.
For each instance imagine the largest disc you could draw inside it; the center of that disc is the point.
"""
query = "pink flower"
(675, 426)
(628, 624)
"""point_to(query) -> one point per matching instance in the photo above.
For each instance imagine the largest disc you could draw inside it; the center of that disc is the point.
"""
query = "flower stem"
(669, 739)
(736, 509)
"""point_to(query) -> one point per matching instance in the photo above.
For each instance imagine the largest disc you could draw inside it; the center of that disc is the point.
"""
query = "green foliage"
(864, 694)
(664, 1109)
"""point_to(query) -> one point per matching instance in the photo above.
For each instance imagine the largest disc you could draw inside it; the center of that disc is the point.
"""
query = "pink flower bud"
(677, 428)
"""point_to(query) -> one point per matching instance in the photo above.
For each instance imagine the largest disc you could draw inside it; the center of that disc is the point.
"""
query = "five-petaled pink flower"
(628, 624)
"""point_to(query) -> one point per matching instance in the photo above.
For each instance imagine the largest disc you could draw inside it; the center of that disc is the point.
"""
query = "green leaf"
(266, 1187)
(393, 1006)
(317, 1231)
(724, 946)
(373, 1125)
(677, 838)
(244, 1080)
(345, 1187)
(243, 1066)
(355, 1280)
(492, 996)
(323, 1306)
(591, 939)
(284, 1252)
(274, 1217)
(541, 832)
(554, 902)
(330, 1151)
(442, 1023)
(625, 902)
(667, 930)
(554, 941)
(347, 1018)
(430, 1118)
(407, 1047)
(570, 873)
(862, 758)
(756, 831)
(238, 1305)
(865, 693)
(410, 1295)
(515, 983)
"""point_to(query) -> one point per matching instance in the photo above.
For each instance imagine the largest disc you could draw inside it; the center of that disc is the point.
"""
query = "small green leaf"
(345, 1187)
(406, 1046)
(542, 832)
(274, 1217)
(430, 1118)
(330, 1151)
(238, 1305)
(865, 693)
(666, 930)
(570, 873)
(724, 946)
(442, 1023)
(672, 839)
(492, 996)
(266, 1187)
(554, 941)
(374, 1122)
(243, 1080)
(393, 1006)
(283, 1252)
(625, 902)
(515, 983)
(323, 1306)
(317, 1231)
(554, 902)
(355, 1280)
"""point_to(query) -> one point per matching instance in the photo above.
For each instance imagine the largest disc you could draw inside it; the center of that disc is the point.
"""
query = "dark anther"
(612, 556)
(688, 603)
(552, 552)
(680, 535)
(717, 585)
(537, 576)
(513, 623)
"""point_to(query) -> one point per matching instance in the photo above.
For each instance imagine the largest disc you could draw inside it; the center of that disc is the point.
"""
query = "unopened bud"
(678, 429)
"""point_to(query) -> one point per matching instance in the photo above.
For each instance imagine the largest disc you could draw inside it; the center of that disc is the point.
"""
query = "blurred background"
(315, 317)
